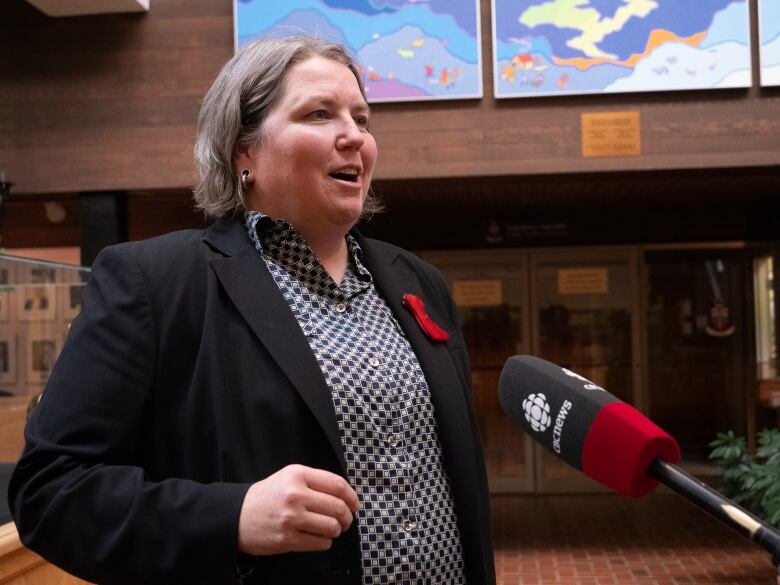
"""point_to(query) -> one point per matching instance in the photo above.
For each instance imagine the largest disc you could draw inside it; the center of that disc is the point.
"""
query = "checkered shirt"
(408, 528)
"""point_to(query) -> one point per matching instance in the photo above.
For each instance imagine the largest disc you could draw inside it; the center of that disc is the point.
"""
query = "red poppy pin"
(429, 327)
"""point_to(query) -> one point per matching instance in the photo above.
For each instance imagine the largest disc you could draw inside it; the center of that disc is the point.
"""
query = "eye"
(362, 121)
(320, 115)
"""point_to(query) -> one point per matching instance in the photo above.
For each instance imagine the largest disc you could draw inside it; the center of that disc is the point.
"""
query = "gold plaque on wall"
(611, 134)
(583, 281)
(477, 293)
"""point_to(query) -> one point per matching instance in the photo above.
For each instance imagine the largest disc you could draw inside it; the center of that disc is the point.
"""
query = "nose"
(350, 137)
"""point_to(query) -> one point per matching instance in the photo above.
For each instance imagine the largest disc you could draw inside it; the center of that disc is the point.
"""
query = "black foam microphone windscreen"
(609, 440)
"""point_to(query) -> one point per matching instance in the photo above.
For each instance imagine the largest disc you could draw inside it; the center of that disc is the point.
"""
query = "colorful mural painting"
(769, 37)
(408, 49)
(550, 47)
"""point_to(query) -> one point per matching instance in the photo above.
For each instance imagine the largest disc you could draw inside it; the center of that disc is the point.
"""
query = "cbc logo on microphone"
(537, 412)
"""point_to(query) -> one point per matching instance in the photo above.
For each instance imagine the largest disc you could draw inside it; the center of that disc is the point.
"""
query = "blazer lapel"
(447, 392)
(253, 291)
(461, 454)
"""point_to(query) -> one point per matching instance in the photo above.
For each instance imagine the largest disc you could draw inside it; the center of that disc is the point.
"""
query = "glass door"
(699, 331)
(490, 288)
(585, 310)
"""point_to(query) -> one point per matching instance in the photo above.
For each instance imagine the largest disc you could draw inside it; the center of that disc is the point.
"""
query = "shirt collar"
(280, 242)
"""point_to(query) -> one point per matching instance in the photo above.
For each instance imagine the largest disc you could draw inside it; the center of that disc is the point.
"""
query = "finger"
(318, 525)
(332, 506)
(335, 485)
(304, 542)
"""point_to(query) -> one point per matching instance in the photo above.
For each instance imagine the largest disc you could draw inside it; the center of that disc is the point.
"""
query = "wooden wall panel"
(153, 214)
(596, 209)
(109, 102)
(28, 221)
(106, 102)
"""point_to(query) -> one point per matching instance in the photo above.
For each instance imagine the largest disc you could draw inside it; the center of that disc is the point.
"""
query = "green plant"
(751, 481)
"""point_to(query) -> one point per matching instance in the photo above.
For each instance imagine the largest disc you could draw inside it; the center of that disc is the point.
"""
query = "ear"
(243, 157)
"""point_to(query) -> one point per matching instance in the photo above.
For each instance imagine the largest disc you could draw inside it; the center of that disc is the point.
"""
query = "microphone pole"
(718, 506)
(611, 442)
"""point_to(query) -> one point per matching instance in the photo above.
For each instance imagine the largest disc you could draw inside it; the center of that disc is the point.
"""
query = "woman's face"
(314, 164)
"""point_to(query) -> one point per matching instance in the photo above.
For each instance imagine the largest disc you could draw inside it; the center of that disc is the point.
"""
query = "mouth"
(348, 175)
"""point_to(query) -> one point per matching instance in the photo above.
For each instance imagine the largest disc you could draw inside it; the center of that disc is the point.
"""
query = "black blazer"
(185, 379)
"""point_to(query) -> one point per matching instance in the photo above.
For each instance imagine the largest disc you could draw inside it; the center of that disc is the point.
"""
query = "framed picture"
(7, 361)
(70, 300)
(5, 295)
(543, 48)
(41, 352)
(769, 39)
(37, 294)
(408, 50)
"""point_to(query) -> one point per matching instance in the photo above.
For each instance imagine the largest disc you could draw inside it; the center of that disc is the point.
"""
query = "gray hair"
(234, 110)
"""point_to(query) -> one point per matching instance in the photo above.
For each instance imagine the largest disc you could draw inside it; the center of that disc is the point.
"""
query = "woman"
(265, 401)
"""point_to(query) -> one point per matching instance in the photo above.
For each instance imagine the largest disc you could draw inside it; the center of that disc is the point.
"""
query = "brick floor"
(605, 539)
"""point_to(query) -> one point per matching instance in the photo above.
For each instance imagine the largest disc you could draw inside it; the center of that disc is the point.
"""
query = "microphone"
(610, 441)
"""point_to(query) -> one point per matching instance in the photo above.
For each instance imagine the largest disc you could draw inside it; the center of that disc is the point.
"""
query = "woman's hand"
(297, 508)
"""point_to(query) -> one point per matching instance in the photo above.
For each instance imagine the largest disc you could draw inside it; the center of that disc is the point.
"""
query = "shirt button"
(373, 362)
(341, 307)
(392, 440)
(409, 525)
